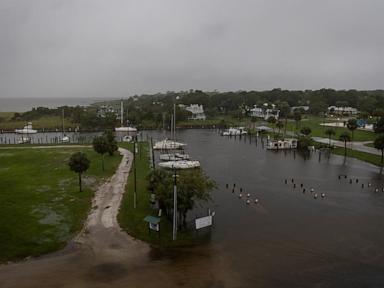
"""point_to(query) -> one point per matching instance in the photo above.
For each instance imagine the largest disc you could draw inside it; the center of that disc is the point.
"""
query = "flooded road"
(288, 239)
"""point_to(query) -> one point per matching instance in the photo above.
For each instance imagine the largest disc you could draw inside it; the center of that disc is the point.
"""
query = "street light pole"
(134, 173)
(174, 234)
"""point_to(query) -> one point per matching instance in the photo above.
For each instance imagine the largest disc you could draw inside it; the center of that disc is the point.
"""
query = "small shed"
(153, 222)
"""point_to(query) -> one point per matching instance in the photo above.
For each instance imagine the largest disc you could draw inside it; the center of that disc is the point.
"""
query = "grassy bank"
(131, 219)
(47, 122)
(363, 156)
(319, 130)
(41, 207)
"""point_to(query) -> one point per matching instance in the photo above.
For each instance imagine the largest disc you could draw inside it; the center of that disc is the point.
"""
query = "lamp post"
(134, 172)
(174, 232)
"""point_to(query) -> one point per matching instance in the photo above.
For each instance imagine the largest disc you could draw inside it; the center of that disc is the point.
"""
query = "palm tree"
(279, 125)
(79, 163)
(306, 131)
(352, 125)
(297, 117)
(330, 132)
(379, 144)
(345, 138)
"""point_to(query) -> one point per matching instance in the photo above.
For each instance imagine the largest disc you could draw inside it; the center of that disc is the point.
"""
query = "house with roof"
(197, 112)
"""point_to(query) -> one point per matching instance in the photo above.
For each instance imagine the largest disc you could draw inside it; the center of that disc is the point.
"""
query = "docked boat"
(168, 145)
(234, 132)
(65, 139)
(183, 164)
(282, 144)
(26, 130)
(127, 138)
(174, 157)
(123, 128)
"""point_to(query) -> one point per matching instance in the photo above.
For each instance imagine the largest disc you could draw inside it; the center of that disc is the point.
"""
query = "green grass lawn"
(41, 207)
(131, 219)
(46, 122)
(319, 130)
(363, 156)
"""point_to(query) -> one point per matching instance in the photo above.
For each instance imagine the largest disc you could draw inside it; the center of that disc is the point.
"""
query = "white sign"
(203, 222)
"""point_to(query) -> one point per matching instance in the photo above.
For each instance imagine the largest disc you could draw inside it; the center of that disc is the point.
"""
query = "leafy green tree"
(330, 132)
(352, 125)
(345, 137)
(100, 145)
(79, 163)
(193, 186)
(379, 144)
(379, 125)
(112, 144)
(306, 131)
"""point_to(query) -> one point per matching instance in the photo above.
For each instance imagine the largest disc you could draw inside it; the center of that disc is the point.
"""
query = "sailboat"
(64, 138)
(26, 130)
(123, 128)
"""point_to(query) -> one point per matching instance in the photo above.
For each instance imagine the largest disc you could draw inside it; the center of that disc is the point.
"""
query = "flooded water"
(288, 239)
(291, 239)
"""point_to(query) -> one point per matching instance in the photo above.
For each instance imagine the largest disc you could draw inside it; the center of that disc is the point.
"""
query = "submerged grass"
(41, 207)
(363, 156)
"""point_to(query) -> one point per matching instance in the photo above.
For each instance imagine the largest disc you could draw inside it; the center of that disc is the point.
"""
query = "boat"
(238, 131)
(183, 164)
(64, 138)
(168, 145)
(124, 128)
(26, 130)
(174, 157)
(282, 144)
(24, 140)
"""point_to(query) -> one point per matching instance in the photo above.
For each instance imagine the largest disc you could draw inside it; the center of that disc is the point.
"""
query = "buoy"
(248, 195)
(322, 195)
(240, 195)
(248, 201)
(256, 200)
(315, 196)
(376, 190)
(312, 190)
(369, 184)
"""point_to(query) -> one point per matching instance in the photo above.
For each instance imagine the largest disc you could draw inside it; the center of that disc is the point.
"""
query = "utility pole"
(134, 173)
(153, 155)
(174, 234)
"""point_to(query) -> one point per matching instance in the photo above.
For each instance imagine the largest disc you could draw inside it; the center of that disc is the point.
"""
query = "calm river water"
(291, 239)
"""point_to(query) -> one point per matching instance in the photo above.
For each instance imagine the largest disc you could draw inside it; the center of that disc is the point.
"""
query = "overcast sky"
(116, 48)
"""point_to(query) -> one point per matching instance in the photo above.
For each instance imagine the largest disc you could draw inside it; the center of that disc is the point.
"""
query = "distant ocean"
(26, 104)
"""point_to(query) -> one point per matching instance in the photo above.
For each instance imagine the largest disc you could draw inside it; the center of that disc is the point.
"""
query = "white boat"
(65, 139)
(174, 157)
(234, 131)
(27, 129)
(282, 144)
(124, 128)
(167, 145)
(24, 140)
(183, 164)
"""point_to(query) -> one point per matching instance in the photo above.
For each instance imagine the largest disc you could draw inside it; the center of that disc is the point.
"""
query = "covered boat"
(174, 157)
(234, 131)
(27, 129)
(167, 145)
(183, 164)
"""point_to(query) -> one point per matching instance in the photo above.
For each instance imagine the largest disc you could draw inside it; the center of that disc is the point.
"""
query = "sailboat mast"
(63, 122)
(174, 121)
(121, 113)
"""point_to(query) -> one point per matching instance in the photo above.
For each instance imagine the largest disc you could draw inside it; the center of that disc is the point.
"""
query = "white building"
(342, 110)
(264, 113)
(197, 112)
(103, 110)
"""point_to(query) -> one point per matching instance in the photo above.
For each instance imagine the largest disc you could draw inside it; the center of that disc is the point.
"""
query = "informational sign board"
(203, 222)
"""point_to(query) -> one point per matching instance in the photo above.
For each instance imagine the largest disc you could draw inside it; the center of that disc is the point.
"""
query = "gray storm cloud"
(116, 48)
